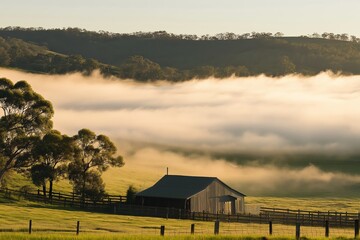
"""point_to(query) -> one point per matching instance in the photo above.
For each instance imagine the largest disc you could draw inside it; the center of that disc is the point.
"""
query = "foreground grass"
(22, 236)
(14, 216)
(113, 237)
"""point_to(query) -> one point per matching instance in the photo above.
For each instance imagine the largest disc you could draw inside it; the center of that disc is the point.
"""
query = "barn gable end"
(218, 198)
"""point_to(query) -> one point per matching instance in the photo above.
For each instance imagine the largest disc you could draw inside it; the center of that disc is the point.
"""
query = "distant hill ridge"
(165, 56)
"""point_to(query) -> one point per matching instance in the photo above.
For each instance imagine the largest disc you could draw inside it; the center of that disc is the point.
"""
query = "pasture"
(50, 222)
(119, 179)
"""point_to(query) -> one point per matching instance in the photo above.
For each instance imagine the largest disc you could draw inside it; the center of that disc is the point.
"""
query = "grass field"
(52, 223)
(136, 237)
(351, 205)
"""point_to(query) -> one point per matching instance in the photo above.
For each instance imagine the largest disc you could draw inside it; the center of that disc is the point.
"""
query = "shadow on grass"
(67, 208)
(43, 205)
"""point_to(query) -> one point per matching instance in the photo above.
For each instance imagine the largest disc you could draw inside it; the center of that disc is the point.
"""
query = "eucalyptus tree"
(94, 154)
(26, 116)
(52, 153)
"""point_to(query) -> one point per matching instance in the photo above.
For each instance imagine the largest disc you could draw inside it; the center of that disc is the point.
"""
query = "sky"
(292, 17)
(299, 135)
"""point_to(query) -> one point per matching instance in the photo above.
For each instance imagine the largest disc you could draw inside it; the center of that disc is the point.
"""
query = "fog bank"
(194, 126)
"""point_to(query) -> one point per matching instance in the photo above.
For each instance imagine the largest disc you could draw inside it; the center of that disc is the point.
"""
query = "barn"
(193, 194)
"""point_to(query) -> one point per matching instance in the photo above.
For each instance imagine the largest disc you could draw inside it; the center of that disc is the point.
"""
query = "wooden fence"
(273, 215)
(67, 200)
(309, 218)
(227, 228)
(77, 198)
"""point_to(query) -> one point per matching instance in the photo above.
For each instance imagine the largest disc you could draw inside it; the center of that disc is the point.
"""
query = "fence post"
(297, 231)
(340, 219)
(77, 227)
(162, 230)
(356, 228)
(30, 226)
(327, 228)
(192, 228)
(216, 227)
(270, 228)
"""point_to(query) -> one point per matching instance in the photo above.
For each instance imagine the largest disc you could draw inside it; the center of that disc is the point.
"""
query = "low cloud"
(252, 179)
(209, 124)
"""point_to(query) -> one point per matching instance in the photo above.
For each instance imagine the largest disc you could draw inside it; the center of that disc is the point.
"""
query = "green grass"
(125, 237)
(50, 223)
(351, 205)
(14, 216)
(51, 236)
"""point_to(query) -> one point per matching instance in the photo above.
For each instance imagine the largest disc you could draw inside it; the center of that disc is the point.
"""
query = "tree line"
(29, 145)
(164, 58)
(19, 54)
(167, 36)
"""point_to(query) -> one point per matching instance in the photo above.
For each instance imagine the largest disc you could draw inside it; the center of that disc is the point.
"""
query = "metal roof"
(180, 187)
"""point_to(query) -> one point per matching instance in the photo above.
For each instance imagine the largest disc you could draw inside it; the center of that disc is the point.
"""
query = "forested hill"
(160, 55)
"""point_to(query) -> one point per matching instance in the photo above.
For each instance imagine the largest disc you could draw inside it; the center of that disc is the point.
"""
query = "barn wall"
(208, 200)
(161, 202)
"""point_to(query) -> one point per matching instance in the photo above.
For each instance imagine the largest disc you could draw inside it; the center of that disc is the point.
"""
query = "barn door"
(228, 204)
(227, 207)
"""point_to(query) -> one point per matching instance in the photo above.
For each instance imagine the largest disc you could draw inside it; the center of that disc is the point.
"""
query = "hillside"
(159, 55)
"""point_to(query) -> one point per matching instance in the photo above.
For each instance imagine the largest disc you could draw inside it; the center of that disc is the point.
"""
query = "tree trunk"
(50, 189)
(83, 186)
(44, 191)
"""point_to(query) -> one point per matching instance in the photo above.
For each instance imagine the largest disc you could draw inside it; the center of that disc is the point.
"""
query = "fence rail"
(76, 197)
(309, 218)
(67, 200)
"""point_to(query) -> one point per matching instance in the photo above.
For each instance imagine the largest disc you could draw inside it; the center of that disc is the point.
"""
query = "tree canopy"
(52, 152)
(26, 117)
(29, 145)
(93, 155)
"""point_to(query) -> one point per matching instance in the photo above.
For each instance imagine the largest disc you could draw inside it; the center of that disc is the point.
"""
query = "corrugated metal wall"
(209, 200)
